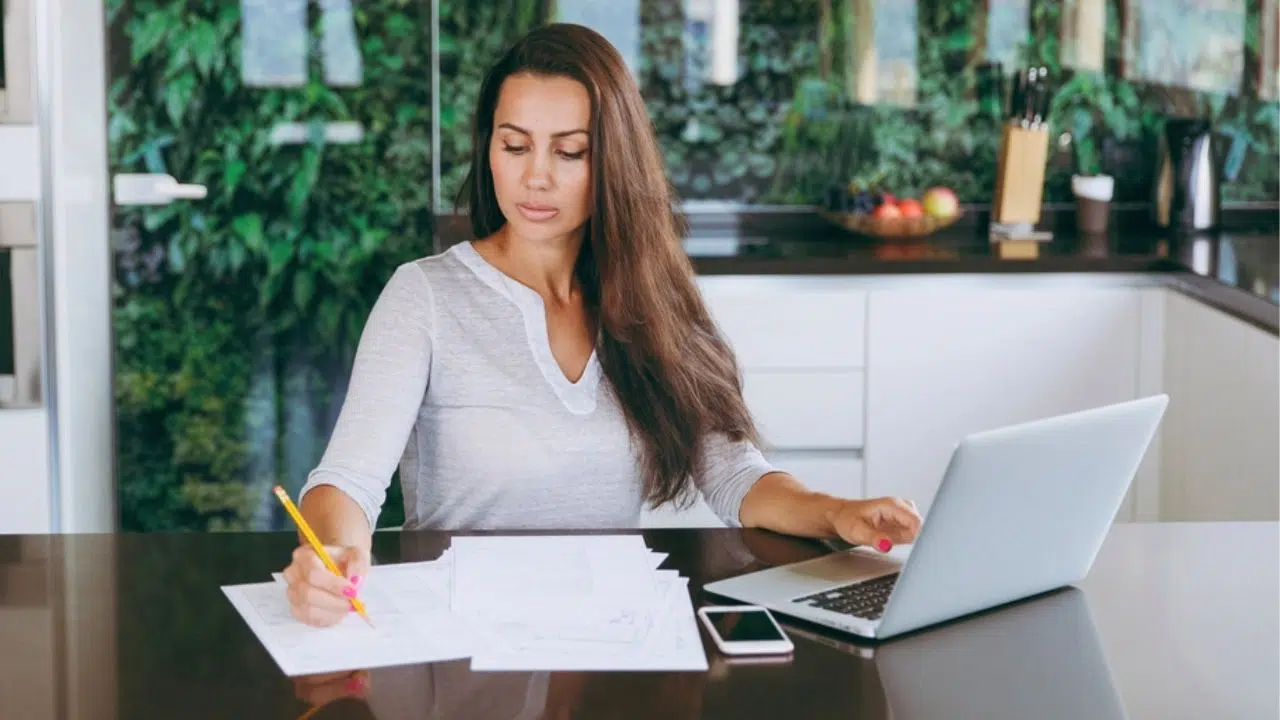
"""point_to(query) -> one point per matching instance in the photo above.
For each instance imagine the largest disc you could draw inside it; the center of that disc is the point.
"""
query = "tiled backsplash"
(770, 101)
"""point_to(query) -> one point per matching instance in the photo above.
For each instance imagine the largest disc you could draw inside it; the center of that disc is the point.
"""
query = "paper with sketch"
(671, 642)
(614, 629)
(396, 638)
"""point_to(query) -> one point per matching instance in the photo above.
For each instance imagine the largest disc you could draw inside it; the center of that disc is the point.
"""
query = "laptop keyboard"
(864, 599)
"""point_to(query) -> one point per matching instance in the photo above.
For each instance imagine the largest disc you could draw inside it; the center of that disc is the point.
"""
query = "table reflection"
(1040, 658)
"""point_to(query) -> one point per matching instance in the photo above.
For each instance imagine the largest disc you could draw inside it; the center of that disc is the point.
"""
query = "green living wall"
(236, 318)
(787, 128)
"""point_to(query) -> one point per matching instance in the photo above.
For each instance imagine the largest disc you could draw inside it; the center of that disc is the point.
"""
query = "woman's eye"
(573, 156)
(514, 149)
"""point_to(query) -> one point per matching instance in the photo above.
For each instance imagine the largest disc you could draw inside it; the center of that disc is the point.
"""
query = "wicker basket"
(890, 228)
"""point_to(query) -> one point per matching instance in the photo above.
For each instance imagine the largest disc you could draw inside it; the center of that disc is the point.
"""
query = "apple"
(940, 202)
(910, 208)
(886, 210)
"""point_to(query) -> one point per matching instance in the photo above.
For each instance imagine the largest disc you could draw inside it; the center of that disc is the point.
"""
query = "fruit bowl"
(879, 214)
(890, 228)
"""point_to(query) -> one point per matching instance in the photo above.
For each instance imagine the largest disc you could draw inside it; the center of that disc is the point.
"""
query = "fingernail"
(349, 591)
(355, 581)
(355, 684)
(885, 545)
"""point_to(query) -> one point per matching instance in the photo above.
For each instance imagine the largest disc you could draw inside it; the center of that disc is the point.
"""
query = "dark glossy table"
(1175, 620)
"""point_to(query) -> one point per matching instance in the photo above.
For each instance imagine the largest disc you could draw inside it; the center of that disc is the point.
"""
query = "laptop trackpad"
(843, 568)
(790, 581)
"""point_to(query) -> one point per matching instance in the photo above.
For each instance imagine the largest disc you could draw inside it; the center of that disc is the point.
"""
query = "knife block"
(1020, 170)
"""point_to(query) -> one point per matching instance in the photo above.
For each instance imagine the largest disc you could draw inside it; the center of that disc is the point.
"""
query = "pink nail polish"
(349, 591)
(356, 580)
(885, 545)
(355, 685)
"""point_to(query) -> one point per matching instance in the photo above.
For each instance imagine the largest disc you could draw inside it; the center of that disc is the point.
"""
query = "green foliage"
(788, 127)
(267, 282)
(950, 135)
(722, 141)
(180, 367)
(473, 35)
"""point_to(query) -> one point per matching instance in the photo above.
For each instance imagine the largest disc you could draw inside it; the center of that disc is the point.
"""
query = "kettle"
(1188, 182)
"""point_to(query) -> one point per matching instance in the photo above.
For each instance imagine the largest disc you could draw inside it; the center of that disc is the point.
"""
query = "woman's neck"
(546, 266)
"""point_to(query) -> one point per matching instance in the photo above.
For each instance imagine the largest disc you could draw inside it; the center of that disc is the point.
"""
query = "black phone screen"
(744, 625)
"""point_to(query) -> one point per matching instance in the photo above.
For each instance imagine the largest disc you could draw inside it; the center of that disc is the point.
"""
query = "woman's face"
(540, 155)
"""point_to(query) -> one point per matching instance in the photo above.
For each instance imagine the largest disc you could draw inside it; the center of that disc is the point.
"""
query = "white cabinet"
(1220, 443)
(789, 323)
(806, 409)
(800, 343)
(863, 388)
(945, 361)
(833, 473)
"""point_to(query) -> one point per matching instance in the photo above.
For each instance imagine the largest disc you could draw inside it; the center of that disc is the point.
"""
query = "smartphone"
(745, 630)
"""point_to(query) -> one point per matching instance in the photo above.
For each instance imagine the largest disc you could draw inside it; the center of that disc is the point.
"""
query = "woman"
(561, 369)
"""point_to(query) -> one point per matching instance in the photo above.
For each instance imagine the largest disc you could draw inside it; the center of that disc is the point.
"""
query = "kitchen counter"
(1236, 270)
(1174, 620)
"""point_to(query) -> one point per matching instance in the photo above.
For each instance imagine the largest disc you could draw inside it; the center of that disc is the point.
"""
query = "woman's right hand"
(317, 596)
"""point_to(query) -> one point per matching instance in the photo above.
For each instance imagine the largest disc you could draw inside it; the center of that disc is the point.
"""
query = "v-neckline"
(577, 396)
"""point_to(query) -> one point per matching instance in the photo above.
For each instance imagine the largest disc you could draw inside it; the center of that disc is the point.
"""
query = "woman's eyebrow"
(562, 133)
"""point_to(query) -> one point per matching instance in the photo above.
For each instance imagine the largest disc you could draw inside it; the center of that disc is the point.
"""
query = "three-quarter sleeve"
(389, 379)
(725, 471)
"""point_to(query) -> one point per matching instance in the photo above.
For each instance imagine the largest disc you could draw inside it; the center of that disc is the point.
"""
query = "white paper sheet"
(446, 558)
(581, 586)
(396, 638)
(672, 643)
(509, 603)
(572, 571)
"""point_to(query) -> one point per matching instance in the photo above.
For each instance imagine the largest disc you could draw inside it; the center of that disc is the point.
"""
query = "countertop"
(1174, 620)
(1236, 269)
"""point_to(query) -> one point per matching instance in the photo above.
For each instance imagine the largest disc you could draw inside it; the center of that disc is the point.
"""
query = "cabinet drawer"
(838, 474)
(806, 410)
(773, 326)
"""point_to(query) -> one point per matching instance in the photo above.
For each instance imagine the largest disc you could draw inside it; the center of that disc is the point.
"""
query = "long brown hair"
(673, 373)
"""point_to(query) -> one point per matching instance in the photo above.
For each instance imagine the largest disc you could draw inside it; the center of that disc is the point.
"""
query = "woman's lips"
(537, 213)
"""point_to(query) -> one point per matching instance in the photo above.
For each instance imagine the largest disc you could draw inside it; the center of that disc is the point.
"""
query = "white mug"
(1093, 187)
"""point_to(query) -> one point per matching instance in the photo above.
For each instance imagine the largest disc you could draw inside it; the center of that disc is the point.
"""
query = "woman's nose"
(538, 173)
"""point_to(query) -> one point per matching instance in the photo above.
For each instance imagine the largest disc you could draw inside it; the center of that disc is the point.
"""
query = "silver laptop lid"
(1021, 510)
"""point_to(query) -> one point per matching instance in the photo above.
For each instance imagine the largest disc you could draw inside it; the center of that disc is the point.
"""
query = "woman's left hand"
(878, 522)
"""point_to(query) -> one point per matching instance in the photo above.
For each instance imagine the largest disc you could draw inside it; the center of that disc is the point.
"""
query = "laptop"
(1021, 510)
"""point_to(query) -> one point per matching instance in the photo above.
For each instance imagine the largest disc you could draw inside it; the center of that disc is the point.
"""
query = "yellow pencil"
(317, 545)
